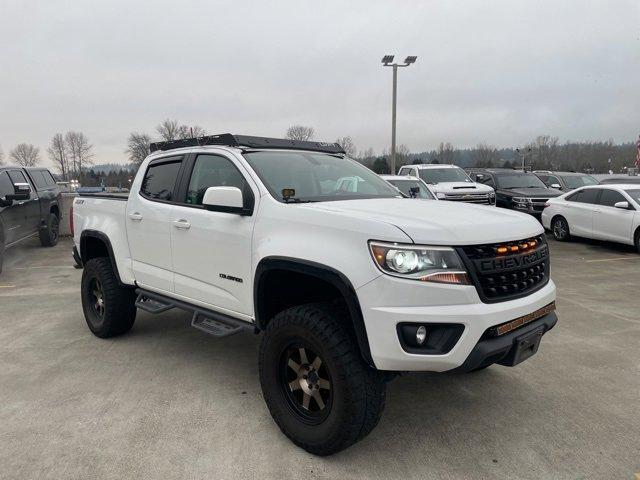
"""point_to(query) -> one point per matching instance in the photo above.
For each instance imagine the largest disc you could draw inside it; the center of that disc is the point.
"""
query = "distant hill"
(110, 167)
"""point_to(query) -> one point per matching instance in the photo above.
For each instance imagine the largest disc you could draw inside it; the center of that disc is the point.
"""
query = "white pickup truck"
(347, 287)
(450, 182)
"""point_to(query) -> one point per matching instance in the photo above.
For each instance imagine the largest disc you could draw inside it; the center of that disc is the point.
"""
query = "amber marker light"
(514, 248)
(502, 250)
(459, 278)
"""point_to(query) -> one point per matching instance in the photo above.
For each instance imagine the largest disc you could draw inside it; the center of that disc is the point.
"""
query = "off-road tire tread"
(368, 390)
(120, 309)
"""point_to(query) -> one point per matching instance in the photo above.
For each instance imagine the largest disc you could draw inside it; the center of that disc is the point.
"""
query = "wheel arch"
(321, 273)
(94, 244)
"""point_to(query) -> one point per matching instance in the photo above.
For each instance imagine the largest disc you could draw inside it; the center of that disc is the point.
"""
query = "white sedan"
(602, 212)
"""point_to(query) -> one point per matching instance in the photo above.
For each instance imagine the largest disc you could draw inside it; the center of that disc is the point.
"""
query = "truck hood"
(534, 192)
(460, 187)
(438, 222)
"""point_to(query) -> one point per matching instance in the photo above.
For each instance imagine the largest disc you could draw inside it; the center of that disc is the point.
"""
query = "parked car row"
(29, 205)
(566, 203)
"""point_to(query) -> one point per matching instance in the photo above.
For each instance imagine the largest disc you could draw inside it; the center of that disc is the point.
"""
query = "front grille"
(505, 276)
(468, 197)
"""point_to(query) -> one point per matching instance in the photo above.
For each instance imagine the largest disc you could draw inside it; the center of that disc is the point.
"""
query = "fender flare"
(86, 234)
(323, 272)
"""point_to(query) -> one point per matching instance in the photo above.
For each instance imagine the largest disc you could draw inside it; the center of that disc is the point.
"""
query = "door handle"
(136, 217)
(182, 224)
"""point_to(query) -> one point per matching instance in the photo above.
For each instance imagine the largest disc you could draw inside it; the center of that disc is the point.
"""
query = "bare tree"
(300, 132)
(138, 147)
(545, 152)
(59, 154)
(446, 153)
(196, 131)
(402, 155)
(79, 151)
(485, 155)
(348, 146)
(171, 130)
(26, 155)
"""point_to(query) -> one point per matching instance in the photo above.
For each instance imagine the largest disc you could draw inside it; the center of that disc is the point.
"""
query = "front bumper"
(502, 349)
(434, 303)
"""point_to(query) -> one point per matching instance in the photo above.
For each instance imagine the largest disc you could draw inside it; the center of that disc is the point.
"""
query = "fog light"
(421, 334)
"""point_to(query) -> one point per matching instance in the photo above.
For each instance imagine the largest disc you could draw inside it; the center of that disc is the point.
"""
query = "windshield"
(406, 185)
(577, 181)
(437, 175)
(316, 177)
(635, 194)
(519, 180)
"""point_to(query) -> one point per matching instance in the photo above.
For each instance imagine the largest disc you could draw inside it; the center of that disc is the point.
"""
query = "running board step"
(215, 327)
(213, 323)
(152, 305)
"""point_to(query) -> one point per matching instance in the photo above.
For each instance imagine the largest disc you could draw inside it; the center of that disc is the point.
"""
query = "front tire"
(50, 233)
(109, 308)
(560, 229)
(317, 387)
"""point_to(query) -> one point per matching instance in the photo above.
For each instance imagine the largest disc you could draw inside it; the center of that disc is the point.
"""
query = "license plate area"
(524, 347)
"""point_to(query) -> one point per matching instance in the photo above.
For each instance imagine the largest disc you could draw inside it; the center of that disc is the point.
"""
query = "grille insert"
(519, 272)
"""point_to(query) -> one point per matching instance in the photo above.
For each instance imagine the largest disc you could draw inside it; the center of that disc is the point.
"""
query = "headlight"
(519, 199)
(419, 262)
(441, 195)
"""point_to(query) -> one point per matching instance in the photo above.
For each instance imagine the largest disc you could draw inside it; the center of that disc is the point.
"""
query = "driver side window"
(213, 171)
(6, 186)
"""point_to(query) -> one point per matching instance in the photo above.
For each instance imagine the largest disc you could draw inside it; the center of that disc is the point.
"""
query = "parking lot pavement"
(168, 401)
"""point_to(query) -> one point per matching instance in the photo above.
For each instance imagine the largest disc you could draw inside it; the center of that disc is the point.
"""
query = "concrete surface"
(167, 401)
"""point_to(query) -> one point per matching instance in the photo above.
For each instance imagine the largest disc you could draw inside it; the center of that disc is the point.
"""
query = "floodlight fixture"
(387, 59)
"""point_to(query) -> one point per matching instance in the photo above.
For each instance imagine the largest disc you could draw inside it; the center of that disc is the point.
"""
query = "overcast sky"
(495, 71)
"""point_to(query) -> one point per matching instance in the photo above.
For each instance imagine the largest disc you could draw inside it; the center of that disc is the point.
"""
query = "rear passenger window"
(38, 179)
(49, 178)
(160, 180)
(610, 197)
(212, 171)
(588, 195)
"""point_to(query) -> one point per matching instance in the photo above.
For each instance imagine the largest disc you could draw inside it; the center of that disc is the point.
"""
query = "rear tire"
(345, 396)
(560, 229)
(109, 308)
(51, 231)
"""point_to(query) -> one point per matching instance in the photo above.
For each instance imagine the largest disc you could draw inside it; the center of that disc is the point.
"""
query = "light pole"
(387, 61)
(522, 156)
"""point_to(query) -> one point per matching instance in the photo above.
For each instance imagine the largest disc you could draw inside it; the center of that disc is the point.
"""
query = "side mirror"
(21, 191)
(414, 192)
(557, 186)
(479, 176)
(224, 199)
(622, 205)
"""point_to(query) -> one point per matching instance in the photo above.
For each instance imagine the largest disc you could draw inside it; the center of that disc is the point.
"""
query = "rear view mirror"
(21, 191)
(556, 186)
(224, 199)
(622, 205)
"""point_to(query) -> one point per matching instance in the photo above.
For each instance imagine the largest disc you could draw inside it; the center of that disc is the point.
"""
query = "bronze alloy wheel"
(306, 382)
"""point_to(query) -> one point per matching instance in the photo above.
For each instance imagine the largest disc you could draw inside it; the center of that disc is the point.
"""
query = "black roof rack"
(246, 141)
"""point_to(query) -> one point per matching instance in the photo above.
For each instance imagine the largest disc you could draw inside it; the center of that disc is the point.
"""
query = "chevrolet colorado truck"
(346, 286)
(29, 205)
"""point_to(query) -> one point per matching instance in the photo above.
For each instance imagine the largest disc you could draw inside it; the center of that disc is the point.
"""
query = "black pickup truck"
(29, 205)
